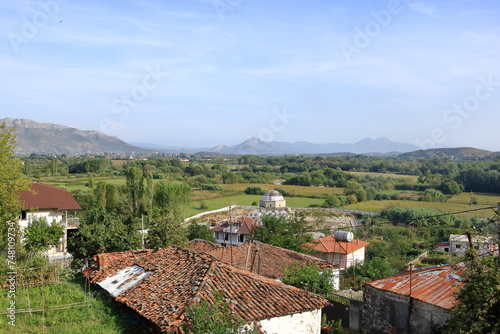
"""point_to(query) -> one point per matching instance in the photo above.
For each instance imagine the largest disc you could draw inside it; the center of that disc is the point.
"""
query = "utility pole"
(142, 231)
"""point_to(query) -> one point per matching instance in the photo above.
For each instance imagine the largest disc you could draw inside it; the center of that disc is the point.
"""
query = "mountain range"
(35, 137)
(43, 138)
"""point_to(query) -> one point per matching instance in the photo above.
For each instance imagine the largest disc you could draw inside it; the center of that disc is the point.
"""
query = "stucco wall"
(387, 312)
(306, 322)
(50, 216)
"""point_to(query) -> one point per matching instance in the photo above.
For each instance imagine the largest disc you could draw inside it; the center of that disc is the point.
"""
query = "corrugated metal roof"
(435, 285)
(124, 280)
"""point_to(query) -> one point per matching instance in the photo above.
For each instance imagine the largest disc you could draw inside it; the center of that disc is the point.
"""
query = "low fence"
(250, 207)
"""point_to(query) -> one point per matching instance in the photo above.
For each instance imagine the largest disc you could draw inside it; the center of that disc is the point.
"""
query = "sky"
(201, 73)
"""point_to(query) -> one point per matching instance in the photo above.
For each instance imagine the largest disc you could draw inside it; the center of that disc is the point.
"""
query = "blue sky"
(202, 73)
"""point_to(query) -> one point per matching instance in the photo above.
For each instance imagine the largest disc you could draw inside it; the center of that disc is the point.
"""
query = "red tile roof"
(328, 244)
(258, 257)
(247, 224)
(434, 285)
(43, 196)
(178, 276)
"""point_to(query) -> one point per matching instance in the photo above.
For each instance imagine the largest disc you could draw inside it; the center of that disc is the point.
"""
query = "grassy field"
(103, 315)
(455, 204)
(291, 190)
(386, 175)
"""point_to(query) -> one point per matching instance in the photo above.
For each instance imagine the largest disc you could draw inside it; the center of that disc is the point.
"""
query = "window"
(446, 249)
(240, 238)
(23, 215)
(457, 246)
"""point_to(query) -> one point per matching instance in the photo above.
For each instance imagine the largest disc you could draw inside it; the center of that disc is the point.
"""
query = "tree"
(478, 309)
(198, 231)
(171, 199)
(217, 317)
(41, 236)
(289, 233)
(102, 231)
(12, 183)
(135, 185)
(294, 274)
(166, 231)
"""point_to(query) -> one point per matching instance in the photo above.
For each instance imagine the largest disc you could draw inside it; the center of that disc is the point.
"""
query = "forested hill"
(34, 137)
(459, 153)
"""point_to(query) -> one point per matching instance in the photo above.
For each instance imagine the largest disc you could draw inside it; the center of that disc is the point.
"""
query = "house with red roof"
(342, 252)
(235, 231)
(159, 285)
(51, 203)
(412, 301)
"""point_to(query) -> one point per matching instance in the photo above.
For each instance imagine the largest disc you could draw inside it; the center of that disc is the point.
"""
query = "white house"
(53, 204)
(159, 285)
(459, 244)
(234, 232)
(340, 252)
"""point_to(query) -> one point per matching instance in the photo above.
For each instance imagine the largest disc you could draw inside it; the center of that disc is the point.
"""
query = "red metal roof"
(43, 196)
(176, 276)
(329, 244)
(258, 257)
(435, 285)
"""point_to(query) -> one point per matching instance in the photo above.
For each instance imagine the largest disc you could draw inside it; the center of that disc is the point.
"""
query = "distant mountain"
(34, 137)
(461, 153)
(257, 147)
(253, 146)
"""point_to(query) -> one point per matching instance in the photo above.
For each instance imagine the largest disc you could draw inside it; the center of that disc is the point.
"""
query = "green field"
(457, 203)
(67, 309)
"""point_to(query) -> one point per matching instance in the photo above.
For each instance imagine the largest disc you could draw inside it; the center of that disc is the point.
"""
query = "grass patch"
(450, 206)
(104, 315)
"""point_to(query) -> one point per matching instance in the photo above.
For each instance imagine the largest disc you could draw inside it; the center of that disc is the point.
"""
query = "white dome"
(272, 195)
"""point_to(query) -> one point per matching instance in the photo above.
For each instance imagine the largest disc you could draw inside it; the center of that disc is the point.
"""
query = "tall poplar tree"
(12, 183)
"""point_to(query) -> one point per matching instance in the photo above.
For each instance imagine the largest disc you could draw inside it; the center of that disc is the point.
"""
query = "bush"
(254, 190)
(212, 187)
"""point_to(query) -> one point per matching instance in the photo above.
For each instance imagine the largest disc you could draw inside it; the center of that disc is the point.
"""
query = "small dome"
(272, 195)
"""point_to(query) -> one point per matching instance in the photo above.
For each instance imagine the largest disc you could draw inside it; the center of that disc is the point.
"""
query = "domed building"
(272, 204)
(272, 200)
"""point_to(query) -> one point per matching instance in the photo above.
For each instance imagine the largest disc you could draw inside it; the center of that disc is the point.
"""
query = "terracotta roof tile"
(179, 275)
(329, 244)
(434, 285)
(44, 196)
(258, 257)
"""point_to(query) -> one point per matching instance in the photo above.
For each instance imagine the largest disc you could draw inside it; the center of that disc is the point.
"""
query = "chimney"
(102, 261)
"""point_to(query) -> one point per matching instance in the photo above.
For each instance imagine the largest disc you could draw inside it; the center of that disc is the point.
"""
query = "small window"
(446, 249)
(240, 238)
(23, 215)
(458, 246)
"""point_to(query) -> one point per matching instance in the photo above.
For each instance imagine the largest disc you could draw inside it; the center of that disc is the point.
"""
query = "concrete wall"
(306, 322)
(388, 312)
